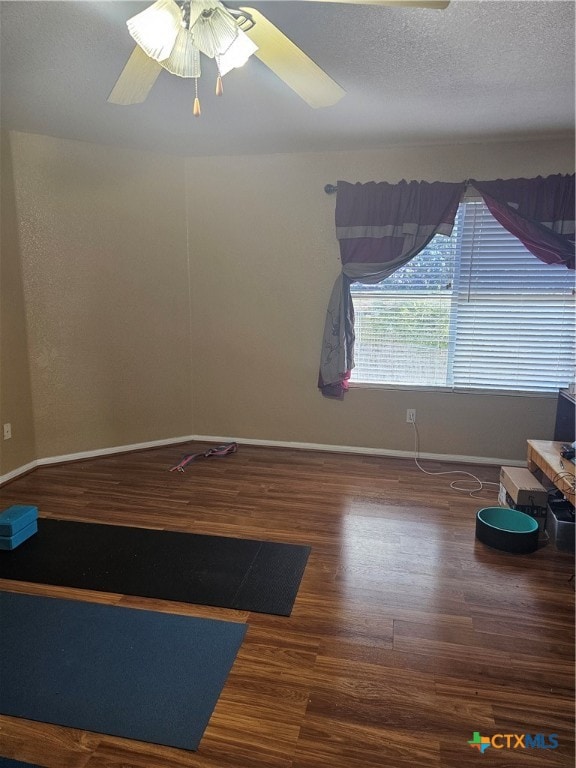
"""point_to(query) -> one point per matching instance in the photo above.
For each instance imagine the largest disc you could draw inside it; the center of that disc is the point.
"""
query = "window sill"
(450, 390)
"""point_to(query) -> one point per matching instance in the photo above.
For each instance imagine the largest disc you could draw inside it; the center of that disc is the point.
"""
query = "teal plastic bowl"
(507, 529)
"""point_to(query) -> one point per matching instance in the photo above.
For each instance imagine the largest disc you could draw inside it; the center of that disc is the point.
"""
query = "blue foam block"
(11, 542)
(15, 518)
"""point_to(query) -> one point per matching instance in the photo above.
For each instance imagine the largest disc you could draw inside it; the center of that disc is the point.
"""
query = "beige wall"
(15, 390)
(105, 272)
(265, 258)
(145, 318)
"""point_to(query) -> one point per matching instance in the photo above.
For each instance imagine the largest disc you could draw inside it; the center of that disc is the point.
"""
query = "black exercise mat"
(137, 674)
(245, 574)
(7, 762)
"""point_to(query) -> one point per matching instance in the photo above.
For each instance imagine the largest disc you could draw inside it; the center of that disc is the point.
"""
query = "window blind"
(474, 311)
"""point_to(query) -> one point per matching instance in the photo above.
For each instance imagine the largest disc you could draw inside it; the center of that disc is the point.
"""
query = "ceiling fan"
(172, 35)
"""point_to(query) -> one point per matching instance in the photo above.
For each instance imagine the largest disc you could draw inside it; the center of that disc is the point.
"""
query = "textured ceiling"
(479, 70)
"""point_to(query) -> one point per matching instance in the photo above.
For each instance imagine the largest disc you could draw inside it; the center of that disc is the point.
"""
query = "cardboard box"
(520, 490)
(523, 488)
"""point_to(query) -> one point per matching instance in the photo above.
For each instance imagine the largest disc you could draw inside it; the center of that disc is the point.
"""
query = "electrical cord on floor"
(455, 483)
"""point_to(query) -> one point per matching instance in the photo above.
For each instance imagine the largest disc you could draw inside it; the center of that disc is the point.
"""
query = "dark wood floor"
(407, 634)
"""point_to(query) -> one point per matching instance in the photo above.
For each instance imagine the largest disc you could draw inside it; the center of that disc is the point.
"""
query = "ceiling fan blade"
(136, 79)
(291, 64)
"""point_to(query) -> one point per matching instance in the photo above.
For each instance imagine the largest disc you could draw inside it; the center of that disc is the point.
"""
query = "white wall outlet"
(411, 416)
(7, 431)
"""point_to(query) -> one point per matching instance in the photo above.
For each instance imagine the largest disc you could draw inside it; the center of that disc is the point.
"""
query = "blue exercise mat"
(7, 762)
(143, 675)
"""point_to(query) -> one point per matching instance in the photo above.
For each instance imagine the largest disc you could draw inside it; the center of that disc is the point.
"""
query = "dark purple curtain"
(539, 212)
(380, 227)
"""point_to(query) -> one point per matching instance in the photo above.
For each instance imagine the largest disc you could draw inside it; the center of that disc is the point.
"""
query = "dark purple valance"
(539, 212)
(374, 221)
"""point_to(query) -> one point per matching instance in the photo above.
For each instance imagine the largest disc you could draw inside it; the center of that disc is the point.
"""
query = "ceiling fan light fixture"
(237, 54)
(214, 30)
(184, 60)
(156, 28)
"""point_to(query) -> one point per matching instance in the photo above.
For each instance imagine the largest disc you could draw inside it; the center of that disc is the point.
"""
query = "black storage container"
(561, 525)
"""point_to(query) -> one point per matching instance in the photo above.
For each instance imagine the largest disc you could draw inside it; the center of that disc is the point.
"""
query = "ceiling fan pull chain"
(219, 87)
(196, 111)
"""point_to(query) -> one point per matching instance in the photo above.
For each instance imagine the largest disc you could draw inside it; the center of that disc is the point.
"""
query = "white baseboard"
(362, 450)
(250, 441)
(69, 457)
(17, 472)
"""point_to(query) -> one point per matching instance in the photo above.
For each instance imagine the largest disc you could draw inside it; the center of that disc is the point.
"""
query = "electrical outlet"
(411, 416)
(7, 431)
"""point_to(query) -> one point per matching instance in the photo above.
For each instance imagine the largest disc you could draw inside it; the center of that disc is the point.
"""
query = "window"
(476, 311)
